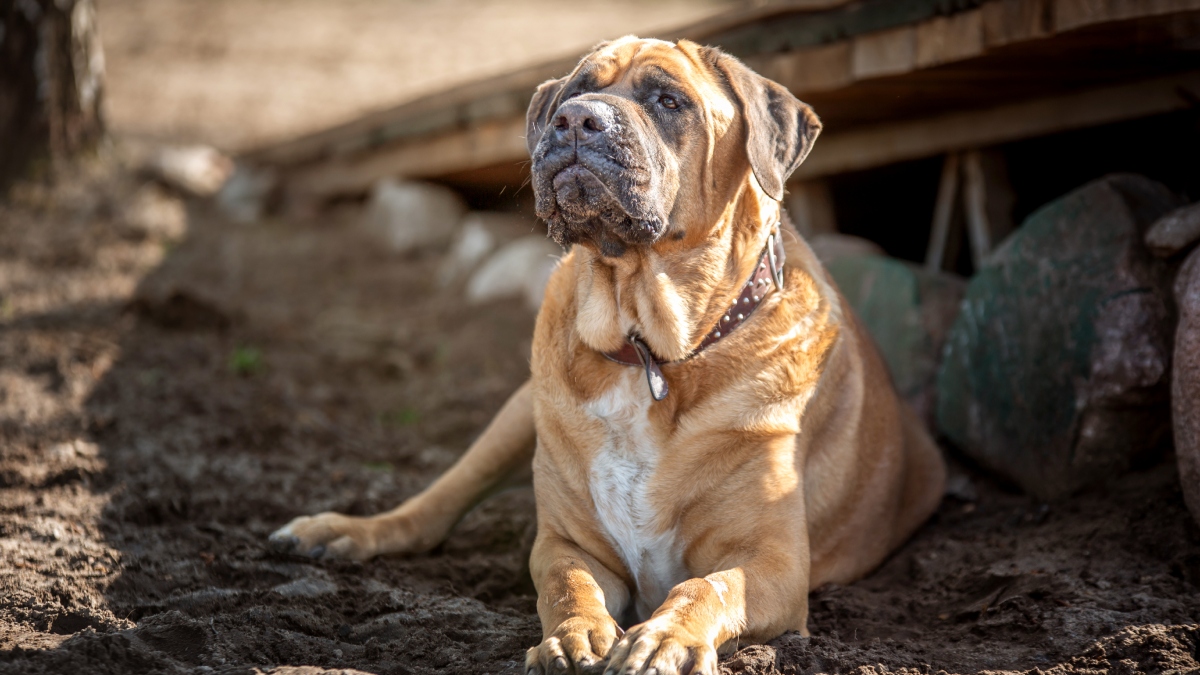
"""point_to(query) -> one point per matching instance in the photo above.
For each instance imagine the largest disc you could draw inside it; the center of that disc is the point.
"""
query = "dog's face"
(646, 136)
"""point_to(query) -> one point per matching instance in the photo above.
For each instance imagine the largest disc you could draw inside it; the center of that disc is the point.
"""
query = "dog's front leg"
(505, 449)
(761, 598)
(577, 599)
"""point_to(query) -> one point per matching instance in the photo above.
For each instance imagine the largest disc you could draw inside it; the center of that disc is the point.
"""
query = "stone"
(411, 215)
(196, 169)
(832, 246)
(1174, 232)
(1185, 381)
(154, 212)
(248, 193)
(520, 268)
(1055, 374)
(306, 587)
(479, 234)
(908, 311)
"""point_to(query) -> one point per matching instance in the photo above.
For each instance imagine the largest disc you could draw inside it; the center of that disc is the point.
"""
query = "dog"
(711, 431)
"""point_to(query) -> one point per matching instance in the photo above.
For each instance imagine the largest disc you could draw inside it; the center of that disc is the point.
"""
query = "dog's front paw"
(329, 535)
(578, 645)
(662, 647)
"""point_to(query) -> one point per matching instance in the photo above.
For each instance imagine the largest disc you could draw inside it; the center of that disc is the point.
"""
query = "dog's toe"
(283, 541)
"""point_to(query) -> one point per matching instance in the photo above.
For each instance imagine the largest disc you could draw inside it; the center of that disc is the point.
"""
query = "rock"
(519, 268)
(306, 587)
(195, 169)
(832, 246)
(1175, 231)
(246, 196)
(1055, 373)
(1185, 381)
(181, 309)
(411, 215)
(479, 234)
(154, 213)
(908, 311)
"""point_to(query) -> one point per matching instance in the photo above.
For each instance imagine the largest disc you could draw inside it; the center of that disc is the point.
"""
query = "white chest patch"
(623, 468)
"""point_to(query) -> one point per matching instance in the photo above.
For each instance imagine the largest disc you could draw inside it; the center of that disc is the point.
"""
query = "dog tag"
(654, 376)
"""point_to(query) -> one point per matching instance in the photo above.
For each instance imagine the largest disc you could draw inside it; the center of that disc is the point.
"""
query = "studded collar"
(768, 271)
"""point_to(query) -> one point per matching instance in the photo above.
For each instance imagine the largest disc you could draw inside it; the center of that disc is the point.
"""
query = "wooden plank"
(1009, 21)
(887, 143)
(1070, 14)
(943, 215)
(949, 38)
(887, 52)
(810, 204)
(808, 70)
(827, 44)
(979, 230)
(482, 145)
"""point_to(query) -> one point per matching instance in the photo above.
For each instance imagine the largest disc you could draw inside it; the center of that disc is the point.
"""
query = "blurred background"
(238, 74)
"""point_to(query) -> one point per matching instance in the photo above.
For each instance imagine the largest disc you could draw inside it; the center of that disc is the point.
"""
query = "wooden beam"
(810, 205)
(914, 139)
(943, 215)
(988, 200)
(488, 143)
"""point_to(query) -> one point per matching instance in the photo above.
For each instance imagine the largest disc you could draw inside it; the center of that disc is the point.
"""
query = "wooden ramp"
(893, 80)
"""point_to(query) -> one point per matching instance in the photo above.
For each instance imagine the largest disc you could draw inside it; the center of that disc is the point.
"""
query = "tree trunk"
(51, 83)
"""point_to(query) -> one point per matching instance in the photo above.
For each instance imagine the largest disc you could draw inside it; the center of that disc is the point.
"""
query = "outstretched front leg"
(761, 591)
(577, 599)
(419, 524)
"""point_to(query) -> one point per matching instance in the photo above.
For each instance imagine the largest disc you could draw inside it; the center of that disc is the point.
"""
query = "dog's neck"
(671, 294)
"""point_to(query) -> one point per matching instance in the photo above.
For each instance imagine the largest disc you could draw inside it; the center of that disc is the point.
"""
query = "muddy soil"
(173, 387)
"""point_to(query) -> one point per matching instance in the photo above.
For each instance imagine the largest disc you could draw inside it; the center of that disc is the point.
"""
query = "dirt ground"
(240, 73)
(174, 386)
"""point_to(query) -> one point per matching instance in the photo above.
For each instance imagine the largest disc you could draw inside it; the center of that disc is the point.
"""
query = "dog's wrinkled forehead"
(626, 65)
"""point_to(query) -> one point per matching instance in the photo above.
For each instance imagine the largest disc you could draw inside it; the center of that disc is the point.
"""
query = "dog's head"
(645, 138)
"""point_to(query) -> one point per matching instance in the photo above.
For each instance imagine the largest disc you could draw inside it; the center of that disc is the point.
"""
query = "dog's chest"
(622, 471)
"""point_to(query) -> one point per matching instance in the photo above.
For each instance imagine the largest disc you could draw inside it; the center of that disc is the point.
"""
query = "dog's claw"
(283, 542)
(317, 551)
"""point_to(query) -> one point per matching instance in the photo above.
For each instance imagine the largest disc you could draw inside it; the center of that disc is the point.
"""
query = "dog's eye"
(572, 95)
(667, 101)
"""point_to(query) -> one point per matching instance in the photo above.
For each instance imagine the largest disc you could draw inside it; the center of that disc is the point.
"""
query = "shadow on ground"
(166, 402)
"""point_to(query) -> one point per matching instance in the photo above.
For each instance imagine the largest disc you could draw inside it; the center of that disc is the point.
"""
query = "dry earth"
(173, 387)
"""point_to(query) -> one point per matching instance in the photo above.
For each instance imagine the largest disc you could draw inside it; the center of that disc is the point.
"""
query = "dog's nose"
(582, 122)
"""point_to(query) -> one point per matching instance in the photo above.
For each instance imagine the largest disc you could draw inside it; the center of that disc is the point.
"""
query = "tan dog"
(779, 457)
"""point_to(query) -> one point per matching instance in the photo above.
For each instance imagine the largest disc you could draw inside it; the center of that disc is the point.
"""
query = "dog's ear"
(780, 129)
(543, 104)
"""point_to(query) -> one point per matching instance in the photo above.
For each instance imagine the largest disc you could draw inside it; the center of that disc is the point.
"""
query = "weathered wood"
(884, 144)
(1009, 21)
(1070, 14)
(949, 38)
(874, 82)
(809, 70)
(939, 251)
(886, 52)
(810, 205)
(988, 199)
(51, 83)
(477, 146)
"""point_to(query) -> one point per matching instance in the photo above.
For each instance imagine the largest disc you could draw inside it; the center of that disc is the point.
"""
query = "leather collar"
(635, 352)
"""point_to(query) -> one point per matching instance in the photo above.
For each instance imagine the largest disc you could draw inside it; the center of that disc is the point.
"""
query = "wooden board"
(887, 143)
(989, 56)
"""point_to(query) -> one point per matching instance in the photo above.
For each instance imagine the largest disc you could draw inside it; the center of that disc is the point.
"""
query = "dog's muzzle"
(593, 178)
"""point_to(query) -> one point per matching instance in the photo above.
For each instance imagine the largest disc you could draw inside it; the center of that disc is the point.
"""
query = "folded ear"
(544, 103)
(780, 129)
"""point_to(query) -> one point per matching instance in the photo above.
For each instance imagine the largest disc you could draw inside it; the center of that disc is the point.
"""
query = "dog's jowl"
(711, 432)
